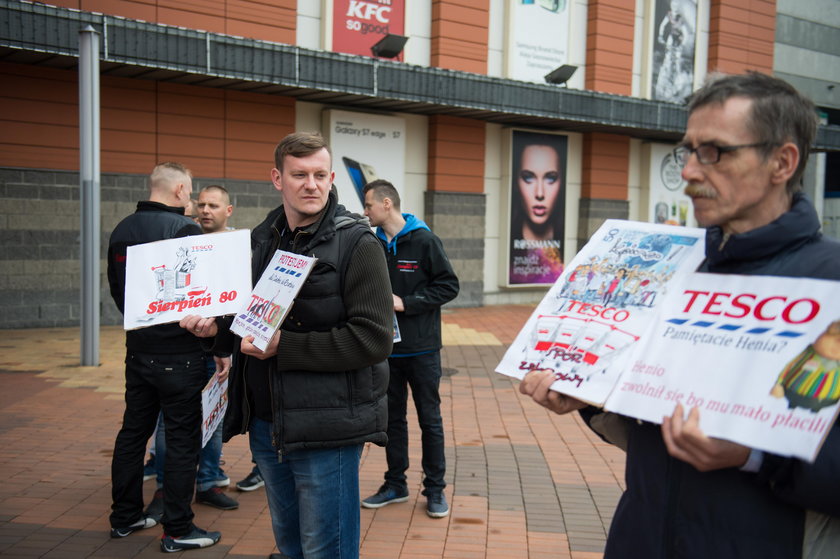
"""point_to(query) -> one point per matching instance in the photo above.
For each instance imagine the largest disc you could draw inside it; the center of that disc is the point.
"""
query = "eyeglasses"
(709, 154)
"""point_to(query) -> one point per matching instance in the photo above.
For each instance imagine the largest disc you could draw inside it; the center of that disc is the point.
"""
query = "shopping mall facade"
(214, 84)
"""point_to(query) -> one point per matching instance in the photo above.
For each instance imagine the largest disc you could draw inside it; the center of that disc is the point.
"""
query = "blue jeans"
(313, 497)
(209, 468)
(422, 373)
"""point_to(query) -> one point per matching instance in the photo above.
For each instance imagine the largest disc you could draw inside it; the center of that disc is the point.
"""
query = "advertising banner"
(589, 321)
(273, 296)
(539, 36)
(758, 355)
(206, 275)
(537, 207)
(667, 204)
(365, 147)
(673, 49)
(360, 24)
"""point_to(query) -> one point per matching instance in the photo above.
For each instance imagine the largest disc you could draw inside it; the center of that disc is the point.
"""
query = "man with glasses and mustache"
(688, 495)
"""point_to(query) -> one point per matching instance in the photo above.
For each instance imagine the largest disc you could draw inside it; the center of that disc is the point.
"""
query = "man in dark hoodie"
(317, 394)
(689, 495)
(422, 280)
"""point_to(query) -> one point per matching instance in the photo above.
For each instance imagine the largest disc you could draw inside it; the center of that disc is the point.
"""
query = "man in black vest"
(318, 392)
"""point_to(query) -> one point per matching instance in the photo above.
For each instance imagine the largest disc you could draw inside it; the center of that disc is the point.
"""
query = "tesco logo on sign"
(368, 11)
(742, 305)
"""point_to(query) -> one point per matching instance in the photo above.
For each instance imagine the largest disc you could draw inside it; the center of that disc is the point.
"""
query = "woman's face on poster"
(539, 182)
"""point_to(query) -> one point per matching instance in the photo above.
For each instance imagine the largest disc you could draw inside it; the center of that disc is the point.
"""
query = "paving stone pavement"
(522, 482)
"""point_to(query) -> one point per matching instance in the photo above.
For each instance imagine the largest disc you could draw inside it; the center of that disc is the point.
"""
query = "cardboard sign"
(273, 296)
(587, 324)
(208, 275)
(214, 401)
(758, 355)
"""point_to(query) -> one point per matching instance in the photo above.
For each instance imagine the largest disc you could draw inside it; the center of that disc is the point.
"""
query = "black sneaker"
(215, 497)
(142, 524)
(385, 496)
(155, 508)
(194, 539)
(252, 482)
(436, 506)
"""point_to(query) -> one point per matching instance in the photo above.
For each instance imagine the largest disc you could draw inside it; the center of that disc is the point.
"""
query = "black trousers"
(422, 373)
(171, 383)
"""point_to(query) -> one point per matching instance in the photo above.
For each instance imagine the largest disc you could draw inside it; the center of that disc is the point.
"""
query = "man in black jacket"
(422, 280)
(317, 393)
(164, 370)
(688, 495)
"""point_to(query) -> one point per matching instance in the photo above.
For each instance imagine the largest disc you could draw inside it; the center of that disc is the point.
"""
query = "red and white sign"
(263, 312)
(759, 356)
(206, 275)
(587, 324)
(359, 24)
(214, 401)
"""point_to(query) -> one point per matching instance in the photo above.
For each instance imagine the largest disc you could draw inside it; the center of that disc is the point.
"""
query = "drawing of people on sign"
(812, 379)
(591, 319)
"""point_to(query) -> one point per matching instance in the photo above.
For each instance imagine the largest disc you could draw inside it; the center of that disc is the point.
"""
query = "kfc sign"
(359, 24)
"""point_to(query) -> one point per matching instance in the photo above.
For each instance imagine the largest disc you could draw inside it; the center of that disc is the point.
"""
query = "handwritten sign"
(593, 315)
(206, 275)
(214, 401)
(758, 355)
(273, 296)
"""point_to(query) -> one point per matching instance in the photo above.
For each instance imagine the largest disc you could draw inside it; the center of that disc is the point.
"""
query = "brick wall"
(39, 238)
(460, 35)
(268, 21)
(458, 219)
(606, 157)
(214, 132)
(741, 36)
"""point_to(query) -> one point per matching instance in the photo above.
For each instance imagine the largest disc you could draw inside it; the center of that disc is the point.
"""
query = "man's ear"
(785, 162)
(179, 189)
(275, 179)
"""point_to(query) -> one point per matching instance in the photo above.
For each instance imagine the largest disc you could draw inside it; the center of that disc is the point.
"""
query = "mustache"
(698, 191)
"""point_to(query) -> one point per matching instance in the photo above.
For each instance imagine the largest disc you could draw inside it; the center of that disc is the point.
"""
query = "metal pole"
(89, 195)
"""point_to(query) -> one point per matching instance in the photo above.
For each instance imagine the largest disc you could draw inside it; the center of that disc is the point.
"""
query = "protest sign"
(273, 296)
(214, 401)
(397, 335)
(208, 275)
(758, 355)
(586, 324)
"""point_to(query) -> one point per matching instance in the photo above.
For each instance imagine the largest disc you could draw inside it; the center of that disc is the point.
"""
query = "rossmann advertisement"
(359, 24)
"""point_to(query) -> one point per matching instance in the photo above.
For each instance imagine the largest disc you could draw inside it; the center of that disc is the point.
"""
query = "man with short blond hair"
(164, 371)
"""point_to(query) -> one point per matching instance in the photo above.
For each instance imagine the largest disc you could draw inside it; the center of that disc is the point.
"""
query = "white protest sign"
(587, 323)
(214, 401)
(208, 275)
(273, 296)
(758, 355)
